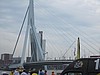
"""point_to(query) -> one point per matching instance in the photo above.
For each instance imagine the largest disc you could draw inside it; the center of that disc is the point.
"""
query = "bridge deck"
(43, 63)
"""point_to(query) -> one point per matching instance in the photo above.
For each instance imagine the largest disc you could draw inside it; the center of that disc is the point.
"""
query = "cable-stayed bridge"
(36, 41)
(37, 50)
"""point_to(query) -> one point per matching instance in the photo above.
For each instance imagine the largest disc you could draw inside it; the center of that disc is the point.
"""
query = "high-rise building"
(16, 60)
(6, 56)
(28, 59)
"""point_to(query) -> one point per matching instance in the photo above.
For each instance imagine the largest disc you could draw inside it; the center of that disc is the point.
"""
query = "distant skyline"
(62, 22)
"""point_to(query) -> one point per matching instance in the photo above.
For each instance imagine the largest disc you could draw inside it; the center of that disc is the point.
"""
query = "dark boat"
(83, 66)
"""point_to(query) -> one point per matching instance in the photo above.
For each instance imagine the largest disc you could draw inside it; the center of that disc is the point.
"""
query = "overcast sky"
(62, 22)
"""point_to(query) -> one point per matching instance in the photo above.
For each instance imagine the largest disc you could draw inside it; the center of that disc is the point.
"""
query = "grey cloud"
(51, 15)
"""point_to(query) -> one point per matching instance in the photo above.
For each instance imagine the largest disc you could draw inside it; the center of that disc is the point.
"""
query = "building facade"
(6, 58)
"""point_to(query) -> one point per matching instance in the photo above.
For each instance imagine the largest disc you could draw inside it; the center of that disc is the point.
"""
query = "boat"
(83, 66)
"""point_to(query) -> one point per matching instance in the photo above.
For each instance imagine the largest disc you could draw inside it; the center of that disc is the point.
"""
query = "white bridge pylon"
(38, 51)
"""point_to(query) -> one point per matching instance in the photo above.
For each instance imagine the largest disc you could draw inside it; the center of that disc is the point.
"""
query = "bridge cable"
(20, 31)
(68, 48)
(75, 29)
(57, 31)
